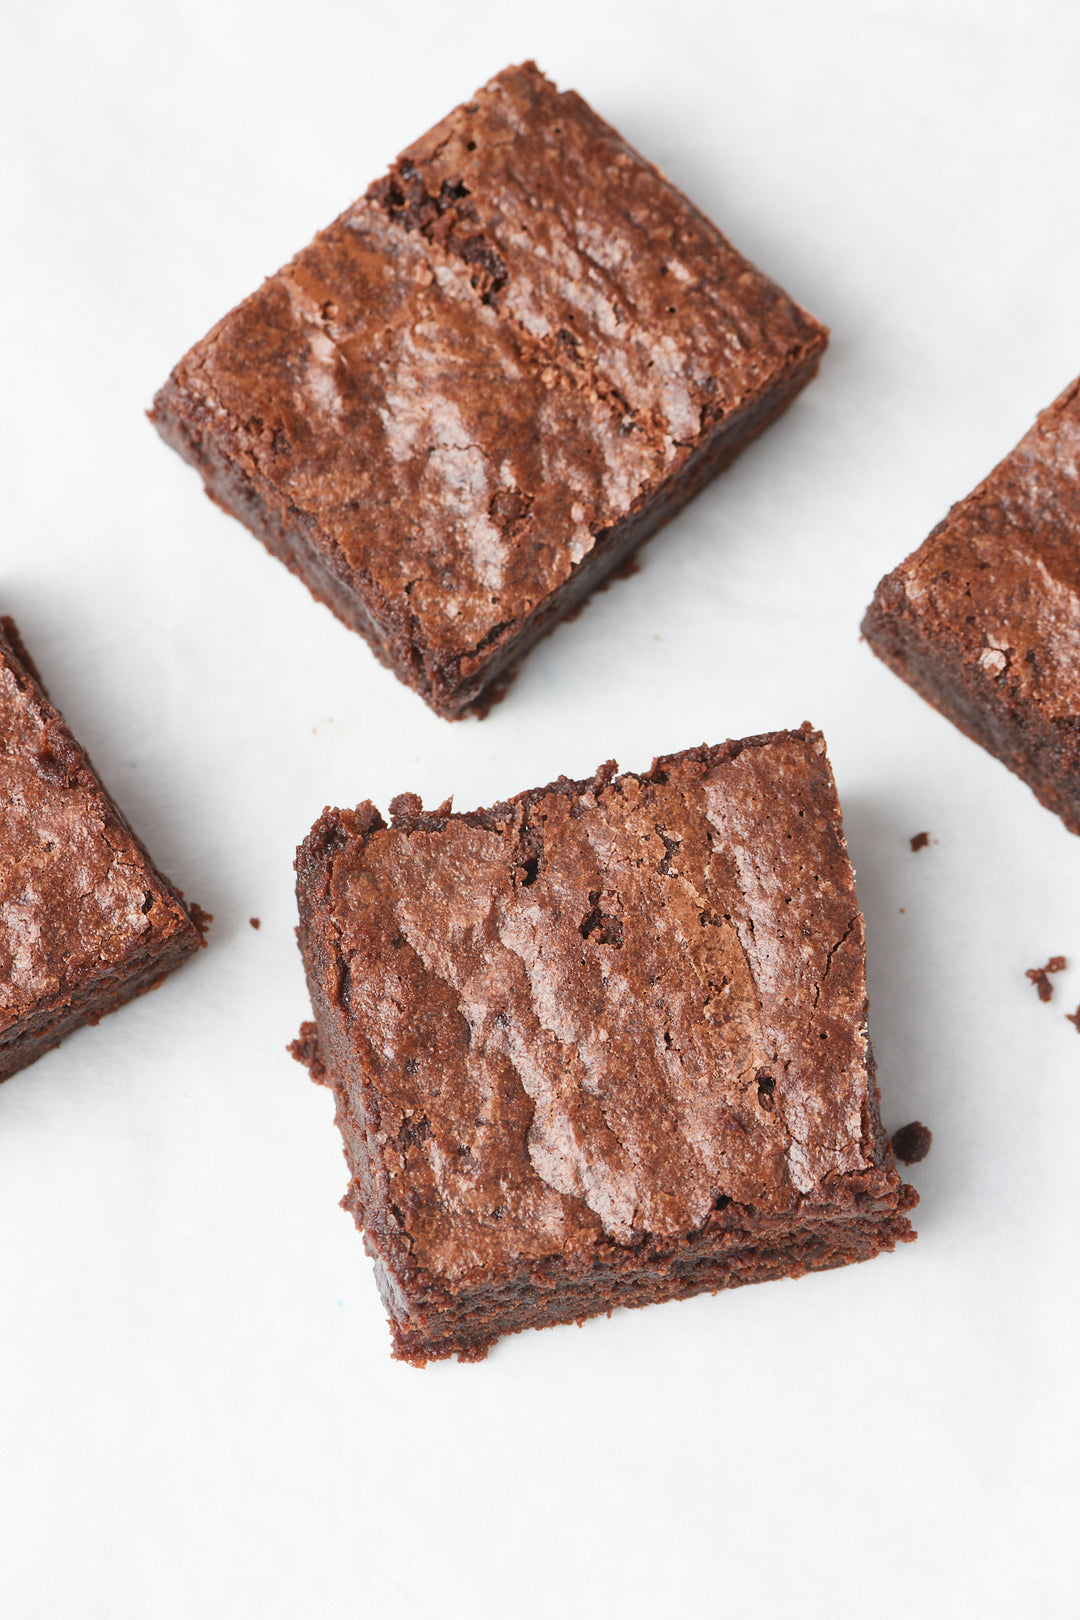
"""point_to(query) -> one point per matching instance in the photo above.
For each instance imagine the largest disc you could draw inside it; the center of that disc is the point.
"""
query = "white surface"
(198, 1412)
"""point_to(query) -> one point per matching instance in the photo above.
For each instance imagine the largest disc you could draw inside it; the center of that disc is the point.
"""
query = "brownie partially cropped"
(604, 1044)
(481, 388)
(983, 622)
(86, 919)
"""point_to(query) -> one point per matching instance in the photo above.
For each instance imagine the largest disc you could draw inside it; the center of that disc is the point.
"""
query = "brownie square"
(86, 919)
(604, 1044)
(481, 388)
(982, 619)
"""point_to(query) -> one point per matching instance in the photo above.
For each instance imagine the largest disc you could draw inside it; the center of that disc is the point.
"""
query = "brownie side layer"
(471, 681)
(86, 920)
(566, 1076)
(469, 399)
(468, 1326)
(982, 622)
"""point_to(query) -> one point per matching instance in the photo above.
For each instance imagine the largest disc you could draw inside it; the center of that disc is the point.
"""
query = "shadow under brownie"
(475, 394)
(982, 619)
(87, 921)
(603, 1044)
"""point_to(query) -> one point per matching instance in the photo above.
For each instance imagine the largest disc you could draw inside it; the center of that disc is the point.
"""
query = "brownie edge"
(604, 1043)
(87, 921)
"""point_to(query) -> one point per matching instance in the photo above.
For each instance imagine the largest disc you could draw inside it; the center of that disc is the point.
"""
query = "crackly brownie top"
(1001, 575)
(602, 1010)
(493, 356)
(77, 892)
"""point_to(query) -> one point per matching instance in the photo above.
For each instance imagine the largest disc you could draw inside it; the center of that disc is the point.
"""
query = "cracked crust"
(606, 1032)
(983, 620)
(476, 393)
(86, 920)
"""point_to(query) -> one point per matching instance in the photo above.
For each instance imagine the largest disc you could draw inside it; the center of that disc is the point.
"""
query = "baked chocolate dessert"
(479, 390)
(86, 920)
(603, 1044)
(982, 620)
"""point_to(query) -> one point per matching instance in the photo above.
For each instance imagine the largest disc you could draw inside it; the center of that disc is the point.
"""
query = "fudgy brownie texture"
(603, 1044)
(86, 920)
(982, 619)
(480, 389)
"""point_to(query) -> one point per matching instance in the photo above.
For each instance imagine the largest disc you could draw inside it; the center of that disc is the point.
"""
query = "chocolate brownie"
(86, 920)
(603, 1044)
(478, 391)
(982, 619)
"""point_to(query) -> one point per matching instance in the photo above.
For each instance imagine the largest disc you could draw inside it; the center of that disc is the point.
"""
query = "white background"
(198, 1411)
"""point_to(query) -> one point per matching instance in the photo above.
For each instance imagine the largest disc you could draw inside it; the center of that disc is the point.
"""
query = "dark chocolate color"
(86, 920)
(480, 389)
(602, 1044)
(911, 1143)
(983, 619)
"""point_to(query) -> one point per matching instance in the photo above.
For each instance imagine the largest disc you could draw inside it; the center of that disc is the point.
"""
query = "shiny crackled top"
(601, 1010)
(1001, 575)
(490, 359)
(77, 893)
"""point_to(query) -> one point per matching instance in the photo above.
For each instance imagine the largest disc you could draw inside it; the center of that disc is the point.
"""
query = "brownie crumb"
(911, 1143)
(202, 920)
(305, 1049)
(1038, 976)
(1074, 1019)
(920, 841)
(256, 922)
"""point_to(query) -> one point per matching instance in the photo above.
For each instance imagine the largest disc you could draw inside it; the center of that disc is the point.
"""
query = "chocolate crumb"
(920, 841)
(305, 1050)
(255, 922)
(1074, 1019)
(911, 1143)
(202, 920)
(1039, 979)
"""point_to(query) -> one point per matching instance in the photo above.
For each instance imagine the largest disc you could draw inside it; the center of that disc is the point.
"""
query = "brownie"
(86, 919)
(603, 1044)
(480, 389)
(982, 619)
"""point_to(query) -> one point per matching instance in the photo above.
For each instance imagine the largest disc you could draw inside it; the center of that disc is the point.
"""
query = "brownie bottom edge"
(478, 679)
(479, 1318)
(42, 1030)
